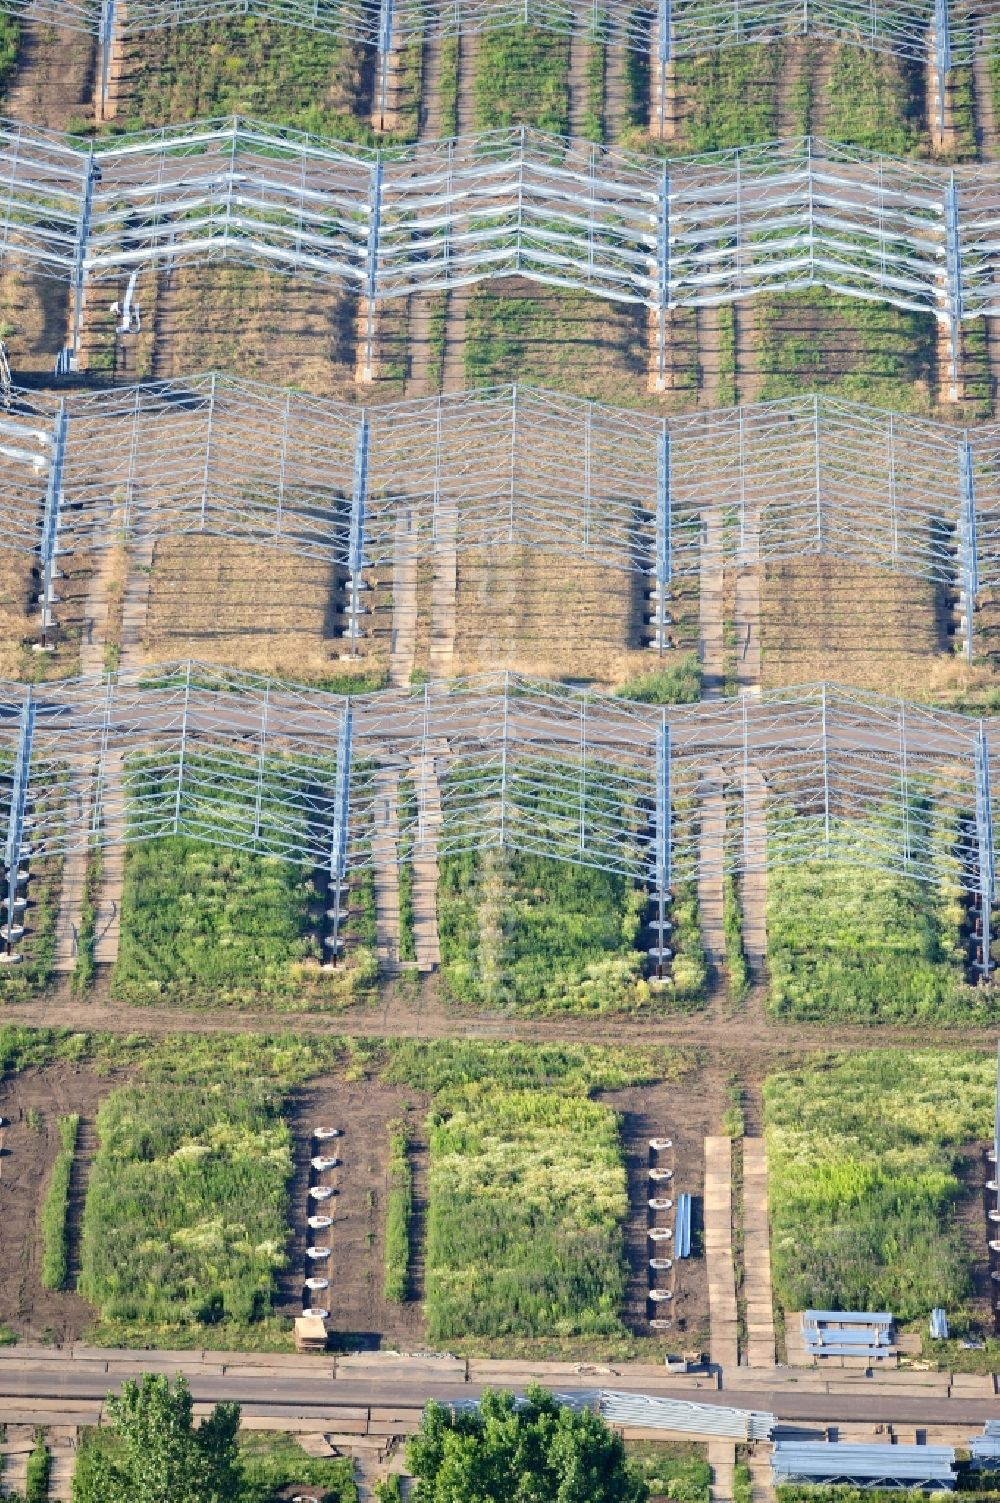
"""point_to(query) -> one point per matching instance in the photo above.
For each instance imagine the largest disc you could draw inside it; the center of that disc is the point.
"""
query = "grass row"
(55, 1250)
(398, 1210)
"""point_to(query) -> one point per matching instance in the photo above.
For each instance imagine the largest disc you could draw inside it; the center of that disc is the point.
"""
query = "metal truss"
(216, 456)
(266, 767)
(666, 29)
(686, 233)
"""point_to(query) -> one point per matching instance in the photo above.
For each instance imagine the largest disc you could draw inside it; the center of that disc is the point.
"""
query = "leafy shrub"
(731, 96)
(863, 1153)
(55, 1259)
(527, 1196)
(39, 1466)
(185, 1217)
(674, 684)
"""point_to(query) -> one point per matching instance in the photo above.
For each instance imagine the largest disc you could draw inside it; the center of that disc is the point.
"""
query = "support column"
(658, 375)
(68, 358)
(968, 549)
(49, 546)
(354, 610)
(953, 308)
(984, 840)
(339, 838)
(16, 849)
(942, 65)
(663, 559)
(367, 321)
(660, 951)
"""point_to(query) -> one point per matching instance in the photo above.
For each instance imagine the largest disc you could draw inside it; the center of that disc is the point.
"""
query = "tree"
(540, 1451)
(158, 1456)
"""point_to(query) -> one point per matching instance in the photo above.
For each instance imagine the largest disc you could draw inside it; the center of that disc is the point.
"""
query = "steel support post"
(984, 840)
(664, 560)
(79, 259)
(372, 253)
(942, 55)
(16, 849)
(663, 281)
(385, 20)
(662, 874)
(182, 758)
(106, 35)
(341, 822)
(49, 546)
(664, 39)
(953, 271)
(968, 548)
(356, 544)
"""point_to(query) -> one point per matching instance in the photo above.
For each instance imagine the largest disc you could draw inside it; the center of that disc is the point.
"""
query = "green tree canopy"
(159, 1456)
(536, 1452)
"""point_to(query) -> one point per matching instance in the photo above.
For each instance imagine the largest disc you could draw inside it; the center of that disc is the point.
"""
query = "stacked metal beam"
(905, 1466)
(693, 232)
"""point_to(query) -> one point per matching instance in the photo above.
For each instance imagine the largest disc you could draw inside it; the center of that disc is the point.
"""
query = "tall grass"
(522, 78)
(864, 1155)
(55, 1250)
(399, 1208)
(185, 1217)
(524, 1229)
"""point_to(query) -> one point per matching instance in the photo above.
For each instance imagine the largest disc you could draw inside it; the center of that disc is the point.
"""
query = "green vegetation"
(673, 1469)
(399, 1208)
(851, 943)
(448, 85)
(674, 684)
(538, 934)
(527, 1196)
(10, 41)
(156, 1454)
(736, 960)
(272, 1463)
(574, 1069)
(204, 921)
(864, 1157)
(560, 338)
(592, 124)
(261, 69)
(522, 79)
(185, 1219)
(814, 340)
(55, 1252)
(731, 96)
(85, 966)
(38, 944)
(729, 395)
(742, 1483)
(39, 1466)
(875, 101)
(557, 1455)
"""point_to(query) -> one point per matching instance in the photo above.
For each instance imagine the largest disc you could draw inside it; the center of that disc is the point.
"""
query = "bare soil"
(29, 1153)
(247, 606)
(685, 1115)
(359, 1314)
(852, 624)
(53, 84)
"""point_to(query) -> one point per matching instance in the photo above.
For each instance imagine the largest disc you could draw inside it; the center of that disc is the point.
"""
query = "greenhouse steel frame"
(940, 33)
(381, 225)
(508, 466)
(499, 761)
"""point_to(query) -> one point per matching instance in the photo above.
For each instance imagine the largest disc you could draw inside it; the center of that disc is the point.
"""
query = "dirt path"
(711, 863)
(719, 1249)
(757, 1256)
(722, 1460)
(761, 1486)
(86, 1148)
(425, 866)
(61, 1441)
(385, 861)
(444, 594)
(402, 644)
(794, 59)
(107, 929)
(711, 650)
(709, 356)
(579, 49)
(615, 94)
